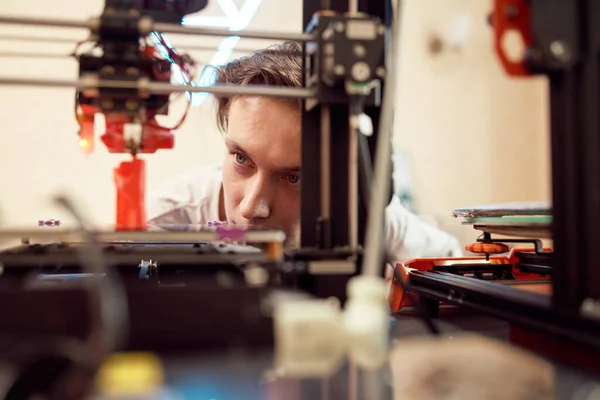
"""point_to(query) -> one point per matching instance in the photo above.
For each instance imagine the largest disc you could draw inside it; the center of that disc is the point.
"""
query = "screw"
(132, 71)
(534, 57)
(132, 105)
(300, 266)
(380, 71)
(435, 45)
(340, 27)
(339, 70)
(590, 308)
(511, 11)
(535, 54)
(288, 267)
(361, 71)
(107, 70)
(360, 51)
(107, 104)
(256, 275)
(560, 51)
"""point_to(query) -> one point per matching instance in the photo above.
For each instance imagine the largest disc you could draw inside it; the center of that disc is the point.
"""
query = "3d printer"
(562, 43)
(550, 296)
(164, 277)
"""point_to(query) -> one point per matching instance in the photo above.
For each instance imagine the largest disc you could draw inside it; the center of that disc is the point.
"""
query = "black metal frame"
(311, 146)
(164, 320)
(568, 38)
(166, 317)
(320, 238)
(522, 308)
(572, 67)
(566, 49)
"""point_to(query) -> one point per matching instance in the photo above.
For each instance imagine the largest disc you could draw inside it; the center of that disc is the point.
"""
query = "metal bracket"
(147, 268)
(537, 243)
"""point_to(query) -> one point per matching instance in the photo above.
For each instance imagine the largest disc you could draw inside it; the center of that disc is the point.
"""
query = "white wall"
(474, 135)
(39, 153)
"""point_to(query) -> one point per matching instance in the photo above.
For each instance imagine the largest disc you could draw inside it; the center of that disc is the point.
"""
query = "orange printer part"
(397, 298)
(512, 16)
(130, 181)
(129, 176)
(487, 248)
(153, 136)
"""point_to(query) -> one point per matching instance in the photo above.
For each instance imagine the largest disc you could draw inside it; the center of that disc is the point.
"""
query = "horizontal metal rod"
(54, 22)
(75, 236)
(24, 38)
(16, 54)
(189, 30)
(169, 260)
(235, 49)
(73, 41)
(166, 88)
(161, 27)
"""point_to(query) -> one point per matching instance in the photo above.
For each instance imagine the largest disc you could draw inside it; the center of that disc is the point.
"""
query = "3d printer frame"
(329, 234)
(562, 42)
(327, 231)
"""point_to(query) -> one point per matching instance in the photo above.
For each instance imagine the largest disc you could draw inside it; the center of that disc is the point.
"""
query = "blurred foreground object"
(468, 367)
(130, 375)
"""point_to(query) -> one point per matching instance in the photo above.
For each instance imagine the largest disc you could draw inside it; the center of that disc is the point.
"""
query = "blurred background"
(465, 133)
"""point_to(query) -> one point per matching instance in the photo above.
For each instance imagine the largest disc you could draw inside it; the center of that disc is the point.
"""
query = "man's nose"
(257, 199)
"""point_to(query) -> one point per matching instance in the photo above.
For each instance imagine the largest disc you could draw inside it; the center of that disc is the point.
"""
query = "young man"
(259, 181)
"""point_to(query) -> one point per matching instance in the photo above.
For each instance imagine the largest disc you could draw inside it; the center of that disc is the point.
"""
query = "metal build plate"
(527, 227)
(527, 219)
(530, 208)
(528, 231)
(130, 254)
(158, 234)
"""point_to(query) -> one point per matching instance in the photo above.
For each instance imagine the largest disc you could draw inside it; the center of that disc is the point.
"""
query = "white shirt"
(193, 198)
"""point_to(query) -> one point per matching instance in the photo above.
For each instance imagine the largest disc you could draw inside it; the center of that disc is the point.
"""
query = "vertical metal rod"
(325, 162)
(352, 381)
(372, 384)
(375, 237)
(325, 390)
(353, 166)
(353, 184)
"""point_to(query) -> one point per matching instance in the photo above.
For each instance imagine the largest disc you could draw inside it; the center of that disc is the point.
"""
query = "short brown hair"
(279, 65)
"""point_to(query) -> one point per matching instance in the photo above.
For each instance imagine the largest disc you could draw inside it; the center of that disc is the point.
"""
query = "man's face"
(261, 173)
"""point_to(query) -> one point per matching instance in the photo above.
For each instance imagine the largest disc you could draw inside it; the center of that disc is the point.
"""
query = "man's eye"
(240, 158)
(294, 179)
